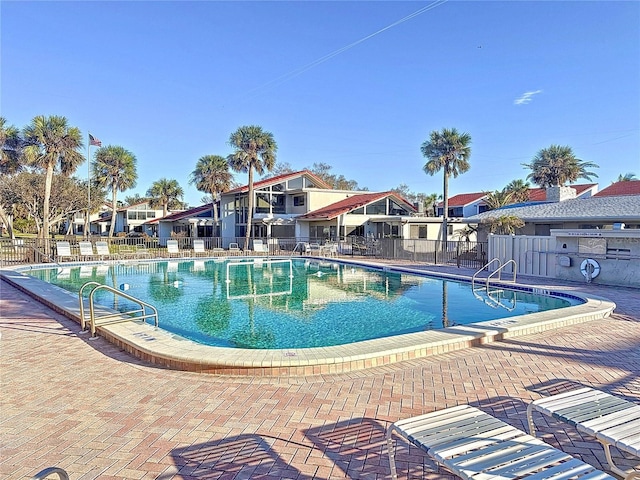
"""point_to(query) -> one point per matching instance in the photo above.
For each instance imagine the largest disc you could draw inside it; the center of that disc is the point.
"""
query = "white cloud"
(526, 97)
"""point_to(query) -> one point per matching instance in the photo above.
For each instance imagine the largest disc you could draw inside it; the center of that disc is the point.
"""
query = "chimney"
(560, 194)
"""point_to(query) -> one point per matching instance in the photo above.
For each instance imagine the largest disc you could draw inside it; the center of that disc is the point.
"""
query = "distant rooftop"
(631, 187)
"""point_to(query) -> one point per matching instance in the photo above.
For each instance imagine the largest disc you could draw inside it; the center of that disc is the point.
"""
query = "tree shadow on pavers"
(242, 457)
(358, 447)
(565, 437)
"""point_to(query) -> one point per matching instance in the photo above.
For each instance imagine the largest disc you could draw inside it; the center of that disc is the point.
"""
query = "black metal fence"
(460, 253)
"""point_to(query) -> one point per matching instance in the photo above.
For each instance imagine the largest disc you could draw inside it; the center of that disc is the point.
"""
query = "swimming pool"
(300, 303)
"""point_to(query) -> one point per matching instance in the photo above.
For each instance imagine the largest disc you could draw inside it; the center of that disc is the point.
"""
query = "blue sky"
(170, 81)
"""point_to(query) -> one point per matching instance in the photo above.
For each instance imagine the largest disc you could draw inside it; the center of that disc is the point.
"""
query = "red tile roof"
(463, 199)
(535, 195)
(183, 214)
(280, 178)
(350, 203)
(631, 187)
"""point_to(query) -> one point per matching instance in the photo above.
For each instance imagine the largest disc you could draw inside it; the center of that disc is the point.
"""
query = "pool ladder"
(140, 313)
(491, 301)
(497, 271)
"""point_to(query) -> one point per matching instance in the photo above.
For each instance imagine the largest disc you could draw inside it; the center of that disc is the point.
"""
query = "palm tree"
(505, 224)
(10, 148)
(10, 163)
(519, 190)
(166, 193)
(627, 177)
(255, 150)
(498, 199)
(114, 168)
(557, 165)
(51, 144)
(212, 176)
(449, 151)
(431, 204)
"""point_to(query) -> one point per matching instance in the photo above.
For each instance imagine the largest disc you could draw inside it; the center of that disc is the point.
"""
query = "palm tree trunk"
(445, 212)
(114, 210)
(247, 235)
(214, 213)
(46, 201)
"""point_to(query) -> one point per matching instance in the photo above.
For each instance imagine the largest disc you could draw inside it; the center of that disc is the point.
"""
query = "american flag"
(94, 141)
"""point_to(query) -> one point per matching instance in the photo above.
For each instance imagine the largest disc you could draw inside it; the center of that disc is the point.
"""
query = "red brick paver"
(99, 413)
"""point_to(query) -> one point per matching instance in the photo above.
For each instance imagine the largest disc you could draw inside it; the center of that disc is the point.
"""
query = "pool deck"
(162, 348)
(98, 412)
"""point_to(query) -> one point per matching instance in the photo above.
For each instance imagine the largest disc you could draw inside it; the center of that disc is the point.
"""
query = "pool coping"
(162, 348)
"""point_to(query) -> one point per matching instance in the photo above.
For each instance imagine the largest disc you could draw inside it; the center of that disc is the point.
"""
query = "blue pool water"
(298, 303)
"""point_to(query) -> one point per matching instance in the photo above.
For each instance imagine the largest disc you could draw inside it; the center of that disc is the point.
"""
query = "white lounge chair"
(86, 250)
(610, 419)
(313, 249)
(63, 252)
(198, 248)
(234, 249)
(102, 249)
(173, 250)
(260, 247)
(477, 446)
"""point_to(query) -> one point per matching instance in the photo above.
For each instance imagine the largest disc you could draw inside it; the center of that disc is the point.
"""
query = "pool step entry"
(143, 311)
(493, 298)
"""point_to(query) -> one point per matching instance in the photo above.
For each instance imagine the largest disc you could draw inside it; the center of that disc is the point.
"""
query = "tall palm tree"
(166, 193)
(448, 151)
(50, 145)
(519, 190)
(627, 177)
(557, 165)
(255, 150)
(10, 163)
(114, 168)
(212, 176)
(10, 148)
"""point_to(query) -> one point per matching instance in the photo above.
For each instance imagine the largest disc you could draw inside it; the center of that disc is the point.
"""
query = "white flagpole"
(88, 222)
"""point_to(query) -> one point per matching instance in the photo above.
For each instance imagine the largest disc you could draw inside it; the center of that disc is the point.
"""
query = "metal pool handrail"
(473, 279)
(62, 474)
(111, 318)
(499, 269)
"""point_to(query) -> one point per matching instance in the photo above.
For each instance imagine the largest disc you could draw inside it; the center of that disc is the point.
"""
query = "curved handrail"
(62, 474)
(473, 279)
(115, 317)
(500, 268)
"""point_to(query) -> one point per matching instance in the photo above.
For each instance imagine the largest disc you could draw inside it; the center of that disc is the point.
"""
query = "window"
(418, 231)
(377, 208)
(298, 201)
(358, 211)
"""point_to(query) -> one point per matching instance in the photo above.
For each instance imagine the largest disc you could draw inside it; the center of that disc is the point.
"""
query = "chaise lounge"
(477, 446)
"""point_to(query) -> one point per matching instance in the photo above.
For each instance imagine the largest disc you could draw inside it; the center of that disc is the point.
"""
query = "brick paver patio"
(95, 411)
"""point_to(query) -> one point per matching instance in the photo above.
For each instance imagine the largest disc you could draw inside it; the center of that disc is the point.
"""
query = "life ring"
(590, 268)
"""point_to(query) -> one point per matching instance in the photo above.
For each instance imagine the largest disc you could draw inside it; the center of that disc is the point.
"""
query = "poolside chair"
(86, 250)
(234, 249)
(612, 420)
(173, 250)
(260, 247)
(102, 250)
(475, 445)
(198, 248)
(63, 252)
(313, 249)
